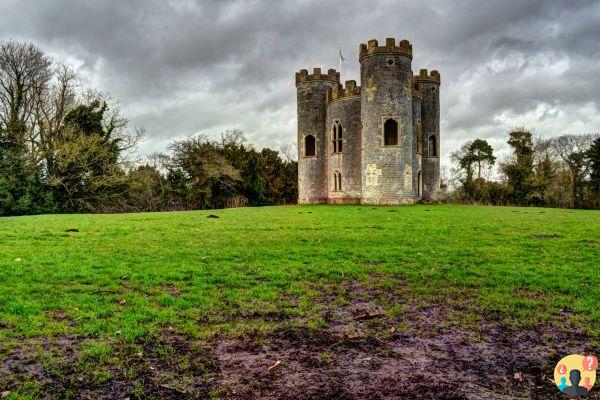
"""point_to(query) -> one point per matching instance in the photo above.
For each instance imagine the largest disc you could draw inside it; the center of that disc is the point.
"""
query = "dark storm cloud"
(181, 67)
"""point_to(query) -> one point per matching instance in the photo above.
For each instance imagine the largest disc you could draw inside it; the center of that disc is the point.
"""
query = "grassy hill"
(299, 301)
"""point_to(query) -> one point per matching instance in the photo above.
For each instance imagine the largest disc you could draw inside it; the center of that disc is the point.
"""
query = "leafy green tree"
(464, 171)
(23, 69)
(593, 156)
(254, 183)
(479, 152)
(519, 171)
(84, 171)
(573, 151)
(21, 190)
(545, 173)
(199, 169)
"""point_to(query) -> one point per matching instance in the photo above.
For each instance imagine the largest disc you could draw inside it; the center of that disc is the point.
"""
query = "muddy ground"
(423, 353)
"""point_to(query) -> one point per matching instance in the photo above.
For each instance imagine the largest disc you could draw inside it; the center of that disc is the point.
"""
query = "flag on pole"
(341, 58)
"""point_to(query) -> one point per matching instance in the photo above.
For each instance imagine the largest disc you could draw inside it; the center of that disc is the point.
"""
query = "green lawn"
(124, 279)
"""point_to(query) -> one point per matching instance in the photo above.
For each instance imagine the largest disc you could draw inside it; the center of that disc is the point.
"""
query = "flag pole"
(340, 57)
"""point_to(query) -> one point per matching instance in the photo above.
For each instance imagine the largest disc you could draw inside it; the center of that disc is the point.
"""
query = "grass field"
(297, 302)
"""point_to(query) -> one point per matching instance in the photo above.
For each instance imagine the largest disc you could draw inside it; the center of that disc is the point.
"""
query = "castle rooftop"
(303, 76)
(339, 92)
(372, 47)
(425, 77)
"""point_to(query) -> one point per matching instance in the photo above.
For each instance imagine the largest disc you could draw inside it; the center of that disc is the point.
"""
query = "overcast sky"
(184, 67)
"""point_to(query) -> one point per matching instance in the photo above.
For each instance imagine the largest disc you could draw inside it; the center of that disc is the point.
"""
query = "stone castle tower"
(377, 143)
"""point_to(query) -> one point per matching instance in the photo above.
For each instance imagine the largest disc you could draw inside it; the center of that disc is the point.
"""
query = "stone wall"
(344, 107)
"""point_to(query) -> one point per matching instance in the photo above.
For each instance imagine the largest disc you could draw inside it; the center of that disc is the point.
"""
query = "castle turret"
(430, 118)
(312, 144)
(343, 144)
(387, 122)
(417, 97)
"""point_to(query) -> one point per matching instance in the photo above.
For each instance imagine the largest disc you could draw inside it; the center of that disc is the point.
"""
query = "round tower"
(343, 144)
(312, 144)
(387, 122)
(430, 118)
(417, 97)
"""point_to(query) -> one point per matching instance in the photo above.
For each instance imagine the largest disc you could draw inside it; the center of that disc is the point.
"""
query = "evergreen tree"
(254, 184)
(479, 152)
(593, 155)
(519, 172)
(544, 176)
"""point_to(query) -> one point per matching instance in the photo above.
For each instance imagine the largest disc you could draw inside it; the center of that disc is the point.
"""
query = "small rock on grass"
(274, 365)
(368, 315)
(518, 376)
(212, 216)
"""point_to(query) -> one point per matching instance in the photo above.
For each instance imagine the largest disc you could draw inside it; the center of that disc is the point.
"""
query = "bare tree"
(571, 150)
(24, 71)
(288, 152)
(52, 103)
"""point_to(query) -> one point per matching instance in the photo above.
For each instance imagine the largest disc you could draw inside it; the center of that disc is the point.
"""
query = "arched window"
(390, 133)
(432, 146)
(337, 181)
(309, 146)
(337, 137)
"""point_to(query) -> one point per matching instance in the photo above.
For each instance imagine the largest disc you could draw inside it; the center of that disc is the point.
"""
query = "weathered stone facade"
(369, 144)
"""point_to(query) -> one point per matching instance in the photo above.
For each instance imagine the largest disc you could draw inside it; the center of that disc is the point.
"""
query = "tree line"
(562, 171)
(64, 148)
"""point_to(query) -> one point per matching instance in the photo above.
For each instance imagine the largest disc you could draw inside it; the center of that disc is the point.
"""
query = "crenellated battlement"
(331, 76)
(339, 92)
(416, 90)
(372, 47)
(425, 77)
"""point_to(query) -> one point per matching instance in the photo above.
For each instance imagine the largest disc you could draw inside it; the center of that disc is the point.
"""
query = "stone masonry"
(378, 143)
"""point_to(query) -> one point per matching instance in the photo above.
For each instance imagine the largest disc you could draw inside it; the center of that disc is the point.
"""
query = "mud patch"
(420, 354)
(372, 263)
(375, 344)
(173, 290)
(171, 367)
(545, 236)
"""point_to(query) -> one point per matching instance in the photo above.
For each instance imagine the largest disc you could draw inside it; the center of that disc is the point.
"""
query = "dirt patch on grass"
(170, 367)
(545, 236)
(373, 344)
(420, 354)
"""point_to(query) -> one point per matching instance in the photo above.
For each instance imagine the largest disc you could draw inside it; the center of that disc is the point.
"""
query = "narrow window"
(337, 181)
(419, 184)
(432, 146)
(337, 137)
(309, 146)
(390, 133)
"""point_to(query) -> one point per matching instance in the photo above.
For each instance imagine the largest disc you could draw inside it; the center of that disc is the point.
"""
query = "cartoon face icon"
(575, 374)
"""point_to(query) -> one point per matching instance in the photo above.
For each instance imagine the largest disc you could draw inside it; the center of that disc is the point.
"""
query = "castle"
(378, 143)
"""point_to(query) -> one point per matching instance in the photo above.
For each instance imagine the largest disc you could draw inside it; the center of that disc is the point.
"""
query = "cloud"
(183, 67)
